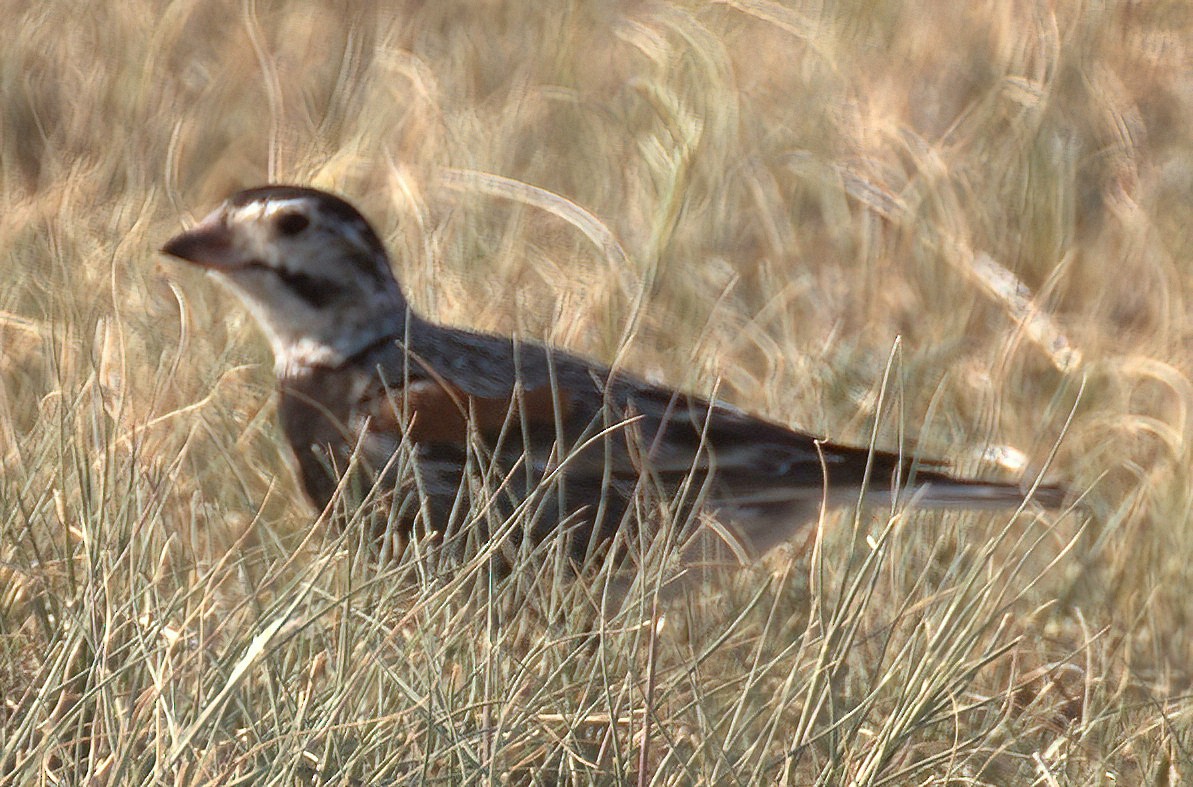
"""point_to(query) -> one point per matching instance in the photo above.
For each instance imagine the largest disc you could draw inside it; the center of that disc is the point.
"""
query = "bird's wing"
(452, 378)
(547, 396)
(442, 385)
(752, 451)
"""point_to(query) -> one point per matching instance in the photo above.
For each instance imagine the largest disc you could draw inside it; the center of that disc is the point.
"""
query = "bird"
(454, 433)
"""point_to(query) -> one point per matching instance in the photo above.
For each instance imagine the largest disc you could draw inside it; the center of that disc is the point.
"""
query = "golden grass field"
(988, 206)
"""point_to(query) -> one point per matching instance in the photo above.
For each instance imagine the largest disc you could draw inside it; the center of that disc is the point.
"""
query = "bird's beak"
(210, 244)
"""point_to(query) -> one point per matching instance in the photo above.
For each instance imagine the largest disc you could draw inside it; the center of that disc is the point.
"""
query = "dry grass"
(759, 194)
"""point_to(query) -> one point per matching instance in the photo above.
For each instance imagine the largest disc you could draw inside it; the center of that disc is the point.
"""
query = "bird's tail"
(761, 521)
(940, 491)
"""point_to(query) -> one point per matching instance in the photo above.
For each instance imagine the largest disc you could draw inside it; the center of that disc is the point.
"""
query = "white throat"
(322, 337)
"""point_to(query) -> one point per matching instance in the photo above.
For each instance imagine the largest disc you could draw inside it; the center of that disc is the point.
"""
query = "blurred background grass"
(1002, 189)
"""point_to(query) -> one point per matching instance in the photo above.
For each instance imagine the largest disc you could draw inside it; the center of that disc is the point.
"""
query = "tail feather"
(764, 516)
(944, 492)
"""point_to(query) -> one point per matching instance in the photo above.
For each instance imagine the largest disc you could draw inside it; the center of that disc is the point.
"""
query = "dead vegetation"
(985, 205)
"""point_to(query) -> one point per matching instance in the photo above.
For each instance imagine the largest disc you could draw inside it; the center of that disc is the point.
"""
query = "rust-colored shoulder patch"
(437, 411)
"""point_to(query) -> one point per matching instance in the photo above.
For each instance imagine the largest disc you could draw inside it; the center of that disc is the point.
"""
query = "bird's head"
(307, 264)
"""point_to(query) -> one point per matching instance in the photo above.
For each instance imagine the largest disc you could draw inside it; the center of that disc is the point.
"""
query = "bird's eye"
(291, 223)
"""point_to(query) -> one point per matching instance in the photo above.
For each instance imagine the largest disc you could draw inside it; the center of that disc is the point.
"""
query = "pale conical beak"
(210, 244)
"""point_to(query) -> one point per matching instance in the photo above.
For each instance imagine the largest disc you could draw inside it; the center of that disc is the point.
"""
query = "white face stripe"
(263, 212)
